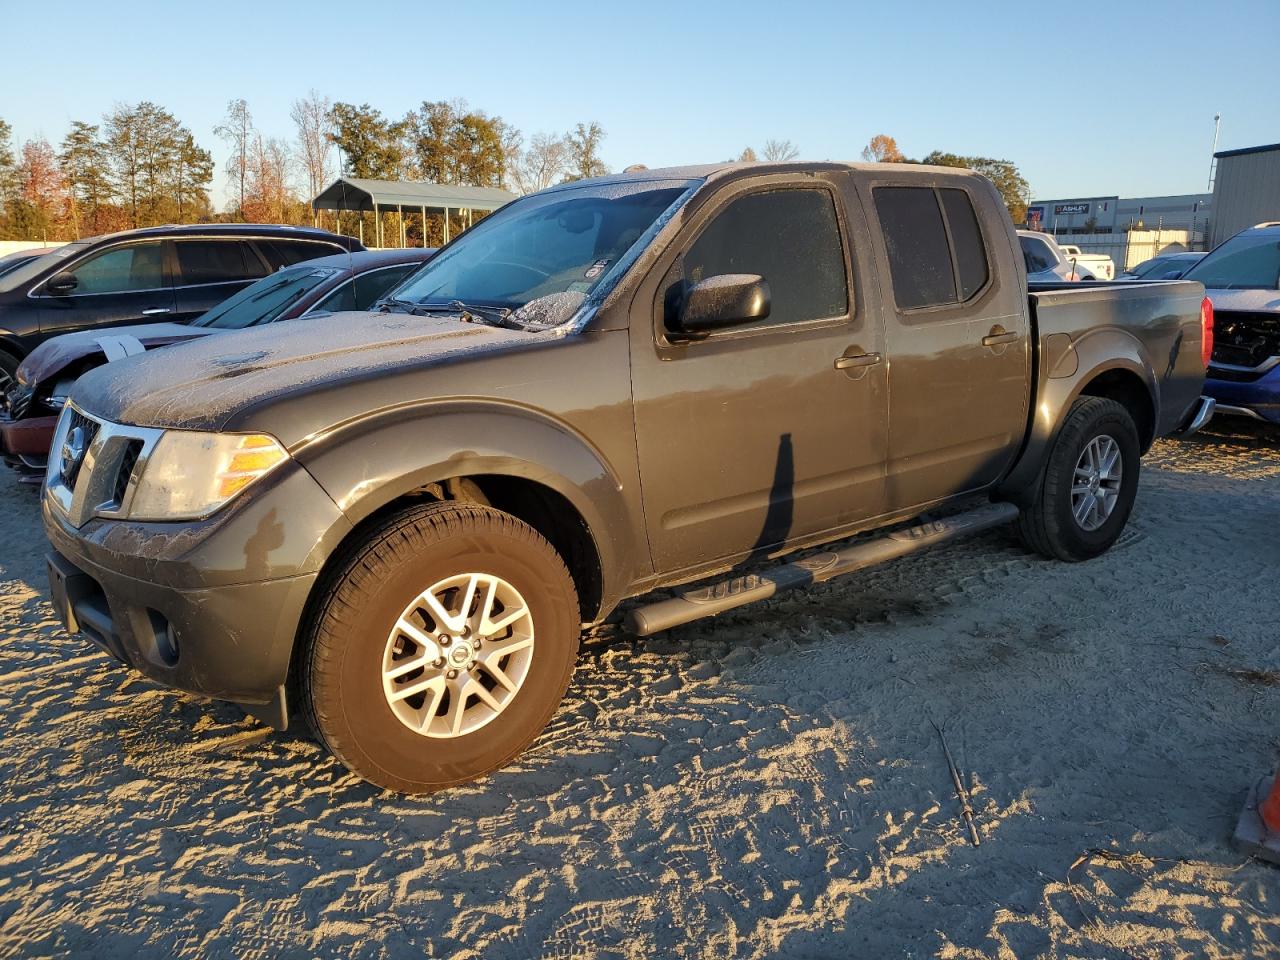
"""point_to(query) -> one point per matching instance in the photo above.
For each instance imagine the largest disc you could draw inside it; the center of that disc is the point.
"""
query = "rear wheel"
(442, 647)
(1086, 492)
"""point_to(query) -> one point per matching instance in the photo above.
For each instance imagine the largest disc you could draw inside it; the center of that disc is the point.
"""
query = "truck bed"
(1163, 316)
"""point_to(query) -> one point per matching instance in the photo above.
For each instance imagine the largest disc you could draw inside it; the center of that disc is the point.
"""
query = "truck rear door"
(772, 431)
(957, 334)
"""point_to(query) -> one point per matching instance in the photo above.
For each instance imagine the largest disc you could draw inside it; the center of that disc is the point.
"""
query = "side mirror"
(61, 284)
(728, 300)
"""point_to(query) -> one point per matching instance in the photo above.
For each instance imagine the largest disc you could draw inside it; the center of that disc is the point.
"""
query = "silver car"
(1046, 263)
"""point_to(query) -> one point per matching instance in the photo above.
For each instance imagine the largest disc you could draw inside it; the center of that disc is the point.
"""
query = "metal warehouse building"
(1113, 214)
(1246, 190)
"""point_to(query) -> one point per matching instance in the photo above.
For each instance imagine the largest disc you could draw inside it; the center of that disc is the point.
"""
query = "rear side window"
(217, 261)
(372, 285)
(135, 266)
(285, 253)
(1037, 254)
(966, 240)
(343, 298)
(934, 240)
(916, 240)
(791, 238)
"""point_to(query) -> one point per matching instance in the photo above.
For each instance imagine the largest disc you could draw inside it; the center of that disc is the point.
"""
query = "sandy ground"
(767, 784)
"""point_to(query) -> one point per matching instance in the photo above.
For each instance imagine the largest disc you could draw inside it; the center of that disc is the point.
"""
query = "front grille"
(128, 460)
(84, 488)
(79, 437)
(1244, 339)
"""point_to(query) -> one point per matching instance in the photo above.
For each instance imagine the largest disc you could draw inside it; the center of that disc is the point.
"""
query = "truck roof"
(709, 171)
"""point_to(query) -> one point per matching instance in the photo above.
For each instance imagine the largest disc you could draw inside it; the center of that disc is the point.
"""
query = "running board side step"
(700, 602)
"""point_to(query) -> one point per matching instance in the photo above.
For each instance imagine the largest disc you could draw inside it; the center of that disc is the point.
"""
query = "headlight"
(189, 475)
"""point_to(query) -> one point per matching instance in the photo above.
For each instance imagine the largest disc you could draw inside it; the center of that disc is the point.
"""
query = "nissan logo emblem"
(73, 450)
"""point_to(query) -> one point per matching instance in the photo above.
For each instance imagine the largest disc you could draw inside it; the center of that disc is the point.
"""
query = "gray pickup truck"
(398, 522)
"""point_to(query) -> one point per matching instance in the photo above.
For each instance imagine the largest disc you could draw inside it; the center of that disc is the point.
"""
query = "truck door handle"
(999, 335)
(861, 360)
(153, 311)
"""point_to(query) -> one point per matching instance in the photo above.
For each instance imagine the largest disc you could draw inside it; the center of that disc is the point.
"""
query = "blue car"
(1242, 278)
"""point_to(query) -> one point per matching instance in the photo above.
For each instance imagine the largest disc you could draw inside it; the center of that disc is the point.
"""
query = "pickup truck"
(705, 379)
(1099, 264)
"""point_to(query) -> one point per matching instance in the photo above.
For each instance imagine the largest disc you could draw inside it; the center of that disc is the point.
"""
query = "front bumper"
(211, 607)
(30, 437)
(1259, 398)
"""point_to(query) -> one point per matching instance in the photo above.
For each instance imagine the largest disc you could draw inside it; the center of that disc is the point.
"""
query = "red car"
(345, 281)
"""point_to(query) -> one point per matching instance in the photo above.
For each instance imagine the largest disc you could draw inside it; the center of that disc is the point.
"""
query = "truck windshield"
(543, 255)
(265, 300)
(1248, 261)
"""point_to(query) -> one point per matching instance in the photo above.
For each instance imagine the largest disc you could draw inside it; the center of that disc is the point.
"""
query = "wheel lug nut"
(445, 641)
(438, 662)
(476, 645)
(452, 674)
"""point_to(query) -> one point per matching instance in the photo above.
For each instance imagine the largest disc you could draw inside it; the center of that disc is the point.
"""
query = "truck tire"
(1086, 491)
(440, 647)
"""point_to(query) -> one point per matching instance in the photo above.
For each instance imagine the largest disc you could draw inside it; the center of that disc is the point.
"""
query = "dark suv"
(157, 273)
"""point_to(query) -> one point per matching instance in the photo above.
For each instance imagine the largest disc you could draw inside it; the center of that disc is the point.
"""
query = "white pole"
(1213, 161)
(446, 224)
(424, 226)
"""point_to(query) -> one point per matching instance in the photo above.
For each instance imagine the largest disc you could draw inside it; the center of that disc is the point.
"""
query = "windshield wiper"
(474, 312)
(386, 304)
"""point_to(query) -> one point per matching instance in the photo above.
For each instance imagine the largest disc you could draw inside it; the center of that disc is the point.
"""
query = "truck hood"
(1253, 301)
(198, 385)
(53, 356)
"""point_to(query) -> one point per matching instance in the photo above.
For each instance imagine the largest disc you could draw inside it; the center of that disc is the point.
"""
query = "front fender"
(1062, 377)
(364, 467)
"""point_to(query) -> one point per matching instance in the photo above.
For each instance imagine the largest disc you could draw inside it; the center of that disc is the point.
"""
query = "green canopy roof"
(355, 193)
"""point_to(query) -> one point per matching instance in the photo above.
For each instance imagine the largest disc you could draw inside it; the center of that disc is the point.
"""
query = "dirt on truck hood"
(199, 384)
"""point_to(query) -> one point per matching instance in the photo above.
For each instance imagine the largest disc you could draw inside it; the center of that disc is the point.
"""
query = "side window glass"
(216, 261)
(135, 266)
(791, 238)
(285, 253)
(372, 285)
(966, 237)
(343, 298)
(1037, 255)
(916, 241)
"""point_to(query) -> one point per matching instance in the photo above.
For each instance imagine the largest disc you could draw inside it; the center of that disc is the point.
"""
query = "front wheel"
(1086, 492)
(8, 377)
(441, 648)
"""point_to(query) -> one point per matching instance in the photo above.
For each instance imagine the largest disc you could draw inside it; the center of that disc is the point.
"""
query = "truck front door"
(958, 339)
(771, 431)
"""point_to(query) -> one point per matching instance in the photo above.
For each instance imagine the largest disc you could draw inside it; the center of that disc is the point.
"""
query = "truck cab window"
(966, 238)
(789, 237)
(916, 241)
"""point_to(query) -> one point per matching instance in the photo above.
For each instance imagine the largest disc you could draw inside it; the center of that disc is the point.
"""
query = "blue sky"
(1116, 99)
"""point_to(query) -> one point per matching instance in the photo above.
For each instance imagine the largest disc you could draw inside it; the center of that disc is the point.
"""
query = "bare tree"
(882, 149)
(584, 151)
(748, 156)
(268, 196)
(544, 163)
(311, 118)
(237, 129)
(776, 150)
